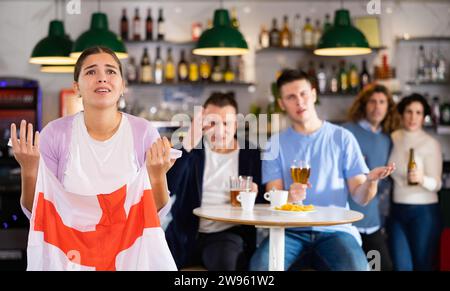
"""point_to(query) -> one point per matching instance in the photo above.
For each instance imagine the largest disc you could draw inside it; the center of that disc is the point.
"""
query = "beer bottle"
(124, 25)
(136, 25)
(411, 166)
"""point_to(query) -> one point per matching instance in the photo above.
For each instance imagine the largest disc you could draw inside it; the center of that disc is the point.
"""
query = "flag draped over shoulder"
(112, 231)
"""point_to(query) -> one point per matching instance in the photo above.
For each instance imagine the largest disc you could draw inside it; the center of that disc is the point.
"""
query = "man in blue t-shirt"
(337, 169)
(371, 121)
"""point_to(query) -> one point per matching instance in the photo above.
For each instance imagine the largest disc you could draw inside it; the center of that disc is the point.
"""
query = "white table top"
(263, 215)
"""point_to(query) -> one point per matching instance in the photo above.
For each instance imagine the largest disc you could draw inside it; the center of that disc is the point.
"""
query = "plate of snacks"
(290, 208)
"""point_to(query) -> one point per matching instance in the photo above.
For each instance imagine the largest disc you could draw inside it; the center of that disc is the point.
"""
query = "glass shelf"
(198, 84)
(303, 49)
(418, 83)
(423, 38)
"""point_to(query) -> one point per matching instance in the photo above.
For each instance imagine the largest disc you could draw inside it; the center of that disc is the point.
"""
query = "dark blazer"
(185, 181)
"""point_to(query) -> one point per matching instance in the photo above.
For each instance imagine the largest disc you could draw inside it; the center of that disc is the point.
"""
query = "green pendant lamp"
(342, 39)
(55, 48)
(57, 69)
(222, 39)
(99, 35)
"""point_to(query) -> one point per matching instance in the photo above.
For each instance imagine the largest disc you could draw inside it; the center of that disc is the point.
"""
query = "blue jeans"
(331, 251)
(413, 236)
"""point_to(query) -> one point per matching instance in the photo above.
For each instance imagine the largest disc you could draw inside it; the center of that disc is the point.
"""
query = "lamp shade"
(342, 39)
(67, 69)
(222, 39)
(53, 49)
(99, 35)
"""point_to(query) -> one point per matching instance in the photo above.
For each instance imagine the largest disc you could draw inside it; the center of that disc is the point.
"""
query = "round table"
(263, 216)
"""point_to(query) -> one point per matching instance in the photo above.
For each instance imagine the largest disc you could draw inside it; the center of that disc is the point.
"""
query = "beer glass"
(238, 184)
(300, 172)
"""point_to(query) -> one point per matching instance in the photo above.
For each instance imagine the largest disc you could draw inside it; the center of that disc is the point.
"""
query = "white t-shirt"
(216, 184)
(100, 167)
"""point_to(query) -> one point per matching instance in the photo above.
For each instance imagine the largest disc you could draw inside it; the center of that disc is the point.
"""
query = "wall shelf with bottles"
(198, 84)
(337, 95)
(304, 49)
(162, 42)
(423, 38)
(419, 83)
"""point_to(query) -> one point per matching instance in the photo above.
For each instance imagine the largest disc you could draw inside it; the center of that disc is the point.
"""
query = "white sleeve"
(25, 211)
(165, 209)
(432, 180)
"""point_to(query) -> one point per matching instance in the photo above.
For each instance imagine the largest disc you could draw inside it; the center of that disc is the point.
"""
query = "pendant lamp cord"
(221, 4)
(99, 5)
(56, 9)
(63, 10)
(342, 4)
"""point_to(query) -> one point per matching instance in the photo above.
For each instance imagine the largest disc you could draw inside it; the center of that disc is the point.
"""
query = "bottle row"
(135, 33)
(431, 66)
(195, 69)
(295, 34)
(147, 31)
(440, 112)
(338, 80)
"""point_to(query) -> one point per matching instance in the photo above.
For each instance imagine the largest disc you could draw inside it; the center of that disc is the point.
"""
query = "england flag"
(110, 231)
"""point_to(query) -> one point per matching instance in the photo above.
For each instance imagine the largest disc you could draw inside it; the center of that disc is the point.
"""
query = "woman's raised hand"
(26, 149)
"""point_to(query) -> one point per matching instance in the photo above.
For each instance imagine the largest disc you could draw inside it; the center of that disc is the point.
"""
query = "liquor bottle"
(364, 77)
(322, 79)
(434, 66)
(241, 70)
(196, 30)
(205, 69)
(445, 114)
(285, 35)
(124, 25)
(264, 37)
(411, 166)
(228, 75)
(159, 67)
(274, 34)
(343, 78)
(435, 111)
(297, 31)
(217, 75)
(308, 34)
(327, 25)
(441, 67)
(317, 33)
(183, 69)
(422, 62)
(193, 70)
(136, 25)
(386, 72)
(353, 79)
(312, 74)
(169, 72)
(334, 80)
(146, 68)
(234, 20)
(160, 25)
(131, 72)
(149, 25)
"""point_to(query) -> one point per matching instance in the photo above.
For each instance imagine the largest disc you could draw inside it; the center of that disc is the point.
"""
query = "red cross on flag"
(109, 231)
